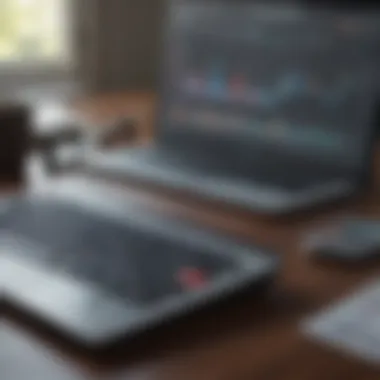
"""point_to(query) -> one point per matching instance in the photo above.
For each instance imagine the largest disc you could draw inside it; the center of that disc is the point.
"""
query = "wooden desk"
(103, 108)
(247, 339)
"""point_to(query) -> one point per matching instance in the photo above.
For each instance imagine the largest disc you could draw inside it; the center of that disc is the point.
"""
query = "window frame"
(42, 69)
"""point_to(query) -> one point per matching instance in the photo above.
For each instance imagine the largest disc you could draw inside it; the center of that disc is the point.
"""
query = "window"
(34, 31)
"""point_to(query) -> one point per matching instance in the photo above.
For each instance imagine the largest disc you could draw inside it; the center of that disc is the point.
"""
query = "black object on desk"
(15, 138)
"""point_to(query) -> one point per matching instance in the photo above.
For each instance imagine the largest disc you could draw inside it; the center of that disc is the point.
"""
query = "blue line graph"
(291, 86)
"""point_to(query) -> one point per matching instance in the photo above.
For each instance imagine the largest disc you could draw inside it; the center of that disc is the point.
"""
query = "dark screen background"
(285, 76)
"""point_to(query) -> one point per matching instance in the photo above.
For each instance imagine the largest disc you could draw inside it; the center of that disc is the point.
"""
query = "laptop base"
(151, 166)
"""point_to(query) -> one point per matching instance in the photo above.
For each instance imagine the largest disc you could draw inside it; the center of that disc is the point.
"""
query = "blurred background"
(79, 64)
(62, 45)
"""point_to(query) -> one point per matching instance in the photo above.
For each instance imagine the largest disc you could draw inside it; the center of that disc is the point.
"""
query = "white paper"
(352, 325)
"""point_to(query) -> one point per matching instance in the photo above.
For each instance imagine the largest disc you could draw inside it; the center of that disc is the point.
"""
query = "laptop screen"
(289, 77)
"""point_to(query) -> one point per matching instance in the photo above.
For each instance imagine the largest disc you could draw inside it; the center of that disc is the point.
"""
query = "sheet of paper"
(352, 325)
(22, 358)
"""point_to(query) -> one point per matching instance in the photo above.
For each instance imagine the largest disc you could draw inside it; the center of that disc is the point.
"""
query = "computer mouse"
(349, 240)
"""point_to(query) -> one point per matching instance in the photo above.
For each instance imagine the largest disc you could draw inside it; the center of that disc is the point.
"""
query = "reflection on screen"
(298, 78)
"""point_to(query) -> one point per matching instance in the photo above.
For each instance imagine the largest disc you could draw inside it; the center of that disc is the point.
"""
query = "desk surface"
(248, 340)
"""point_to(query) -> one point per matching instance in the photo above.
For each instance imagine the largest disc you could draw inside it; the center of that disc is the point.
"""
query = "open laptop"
(80, 257)
(268, 107)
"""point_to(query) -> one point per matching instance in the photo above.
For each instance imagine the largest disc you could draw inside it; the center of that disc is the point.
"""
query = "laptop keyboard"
(133, 264)
(272, 174)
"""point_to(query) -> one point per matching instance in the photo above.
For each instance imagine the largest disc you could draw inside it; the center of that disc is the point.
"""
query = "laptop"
(266, 107)
(80, 257)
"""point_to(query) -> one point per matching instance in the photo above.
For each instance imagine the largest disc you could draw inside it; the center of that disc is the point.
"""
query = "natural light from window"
(34, 31)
